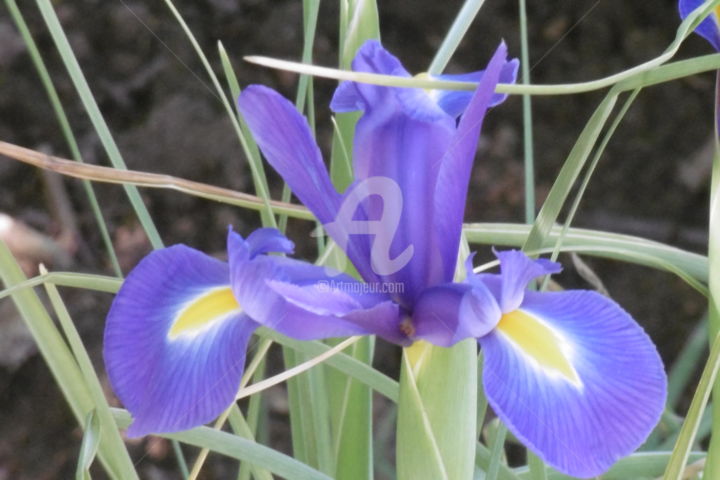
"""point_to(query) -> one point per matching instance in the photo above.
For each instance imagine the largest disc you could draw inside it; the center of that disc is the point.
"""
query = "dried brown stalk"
(144, 179)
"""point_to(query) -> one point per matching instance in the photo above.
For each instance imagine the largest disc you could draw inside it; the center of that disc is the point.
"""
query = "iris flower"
(178, 329)
(570, 373)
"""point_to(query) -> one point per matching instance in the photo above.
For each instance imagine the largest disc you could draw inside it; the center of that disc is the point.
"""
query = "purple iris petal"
(178, 329)
(449, 313)
(371, 57)
(570, 373)
(583, 421)
(708, 28)
(308, 302)
(517, 270)
(285, 139)
(401, 136)
(453, 177)
(405, 136)
(454, 102)
(171, 367)
(266, 240)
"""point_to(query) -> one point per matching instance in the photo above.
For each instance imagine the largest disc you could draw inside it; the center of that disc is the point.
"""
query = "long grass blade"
(96, 117)
(457, 32)
(110, 437)
(150, 180)
(238, 448)
(89, 446)
(62, 119)
(635, 73)
(713, 460)
(591, 169)
(568, 174)
(60, 361)
(686, 363)
(256, 167)
(682, 449)
(626, 248)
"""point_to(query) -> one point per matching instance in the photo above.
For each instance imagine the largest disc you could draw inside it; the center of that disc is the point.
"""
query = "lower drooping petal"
(575, 379)
(175, 341)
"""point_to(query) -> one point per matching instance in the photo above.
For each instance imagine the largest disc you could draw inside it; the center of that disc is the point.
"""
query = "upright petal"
(308, 302)
(517, 270)
(455, 102)
(175, 341)
(266, 240)
(575, 379)
(373, 58)
(401, 136)
(453, 175)
(708, 28)
(284, 137)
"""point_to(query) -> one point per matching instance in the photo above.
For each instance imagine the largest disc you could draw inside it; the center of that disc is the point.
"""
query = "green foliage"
(440, 416)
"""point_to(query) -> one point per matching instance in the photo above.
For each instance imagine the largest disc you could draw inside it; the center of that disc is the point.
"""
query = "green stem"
(457, 31)
(496, 451)
(64, 126)
(712, 468)
(256, 167)
(98, 121)
(527, 119)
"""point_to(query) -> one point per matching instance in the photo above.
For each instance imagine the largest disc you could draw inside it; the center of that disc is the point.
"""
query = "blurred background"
(652, 181)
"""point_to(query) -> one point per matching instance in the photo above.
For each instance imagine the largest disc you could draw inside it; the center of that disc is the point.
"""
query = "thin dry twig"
(145, 179)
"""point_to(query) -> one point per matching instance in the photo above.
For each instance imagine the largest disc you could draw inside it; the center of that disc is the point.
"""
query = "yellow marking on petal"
(204, 310)
(538, 341)
(716, 12)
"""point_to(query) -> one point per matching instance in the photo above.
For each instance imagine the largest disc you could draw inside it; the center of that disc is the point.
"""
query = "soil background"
(652, 180)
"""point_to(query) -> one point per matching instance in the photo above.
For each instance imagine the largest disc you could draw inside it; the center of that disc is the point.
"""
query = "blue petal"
(453, 176)
(285, 139)
(401, 136)
(454, 102)
(371, 57)
(517, 271)
(708, 28)
(449, 313)
(175, 341)
(581, 421)
(308, 302)
(266, 240)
